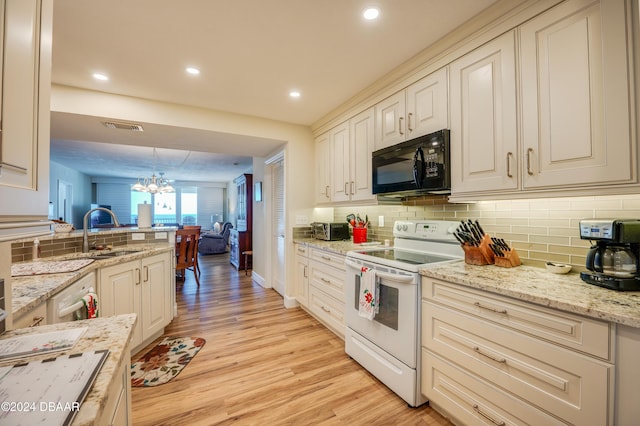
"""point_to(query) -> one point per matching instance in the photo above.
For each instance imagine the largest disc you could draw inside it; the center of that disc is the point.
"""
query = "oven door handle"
(382, 275)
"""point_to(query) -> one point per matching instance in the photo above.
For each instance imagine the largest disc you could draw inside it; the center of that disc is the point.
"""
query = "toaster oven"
(330, 231)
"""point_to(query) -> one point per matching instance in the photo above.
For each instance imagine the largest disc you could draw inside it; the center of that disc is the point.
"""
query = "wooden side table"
(247, 254)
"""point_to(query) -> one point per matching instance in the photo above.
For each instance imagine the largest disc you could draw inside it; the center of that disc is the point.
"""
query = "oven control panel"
(425, 229)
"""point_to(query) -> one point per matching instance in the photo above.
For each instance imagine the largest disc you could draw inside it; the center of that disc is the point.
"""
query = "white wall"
(297, 141)
(81, 184)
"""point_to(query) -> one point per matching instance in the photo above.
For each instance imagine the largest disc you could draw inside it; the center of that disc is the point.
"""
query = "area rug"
(165, 360)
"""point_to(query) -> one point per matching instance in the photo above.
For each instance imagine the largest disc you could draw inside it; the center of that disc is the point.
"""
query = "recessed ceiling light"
(100, 76)
(294, 94)
(371, 13)
(193, 71)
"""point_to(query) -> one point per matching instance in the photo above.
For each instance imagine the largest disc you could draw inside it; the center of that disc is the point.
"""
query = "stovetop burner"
(416, 244)
(404, 256)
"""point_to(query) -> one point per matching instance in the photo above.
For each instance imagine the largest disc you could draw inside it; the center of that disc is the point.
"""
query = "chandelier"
(154, 184)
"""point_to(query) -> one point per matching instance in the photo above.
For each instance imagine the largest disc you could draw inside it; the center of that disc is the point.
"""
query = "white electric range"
(388, 346)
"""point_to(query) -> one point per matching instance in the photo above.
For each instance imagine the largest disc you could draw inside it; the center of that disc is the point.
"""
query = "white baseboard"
(259, 279)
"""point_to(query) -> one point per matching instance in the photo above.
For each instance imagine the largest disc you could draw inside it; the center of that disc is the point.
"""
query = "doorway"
(277, 213)
(65, 201)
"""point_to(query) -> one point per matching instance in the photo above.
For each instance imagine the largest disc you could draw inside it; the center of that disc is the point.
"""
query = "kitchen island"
(110, 396)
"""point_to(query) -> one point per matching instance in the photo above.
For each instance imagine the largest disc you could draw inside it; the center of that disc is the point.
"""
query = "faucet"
(85, 226)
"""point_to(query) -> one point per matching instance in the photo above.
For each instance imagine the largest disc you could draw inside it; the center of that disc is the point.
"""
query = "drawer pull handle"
(493, 357)
(301, 250)
(36, 321)
(490, 308)
(325, 280)
(488, 417)
(327, 310)
(326, 258)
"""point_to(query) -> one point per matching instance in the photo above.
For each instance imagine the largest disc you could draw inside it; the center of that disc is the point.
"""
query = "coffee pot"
(612, 260)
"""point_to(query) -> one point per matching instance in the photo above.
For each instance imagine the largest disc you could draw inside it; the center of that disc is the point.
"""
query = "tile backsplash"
(539, 229)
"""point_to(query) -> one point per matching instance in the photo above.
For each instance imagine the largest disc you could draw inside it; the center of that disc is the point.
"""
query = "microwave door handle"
(418, 167)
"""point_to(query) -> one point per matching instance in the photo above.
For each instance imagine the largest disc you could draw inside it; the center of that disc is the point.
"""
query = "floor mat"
(165, 360)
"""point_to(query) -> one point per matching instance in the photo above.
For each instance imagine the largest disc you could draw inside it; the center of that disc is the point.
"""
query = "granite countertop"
(536, 285)
(112, 333)
(27, 292)
(339, 247)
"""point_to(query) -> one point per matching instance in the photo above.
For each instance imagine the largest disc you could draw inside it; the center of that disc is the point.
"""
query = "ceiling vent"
(123, 126)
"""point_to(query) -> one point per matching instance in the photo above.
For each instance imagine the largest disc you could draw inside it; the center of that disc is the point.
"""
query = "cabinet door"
(361, 146)
(390, 121)
(26, 82)
(302, 280)
(323, 169)
(483, 118)
(155, 298)
(340, 179)
(120, 294)
(575, 96)
(428, 105)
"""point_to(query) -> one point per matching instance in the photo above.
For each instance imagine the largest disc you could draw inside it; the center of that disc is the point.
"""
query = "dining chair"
(187, 251)
(198, 228)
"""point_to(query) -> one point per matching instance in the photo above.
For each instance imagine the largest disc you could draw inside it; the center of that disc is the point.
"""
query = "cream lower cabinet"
(326, 289)
(302, 274)
(117, 411)
(491, 359)
(142, 287)
(35, 317)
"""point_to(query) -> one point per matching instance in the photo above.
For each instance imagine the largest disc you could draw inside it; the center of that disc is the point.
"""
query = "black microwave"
(417, 166)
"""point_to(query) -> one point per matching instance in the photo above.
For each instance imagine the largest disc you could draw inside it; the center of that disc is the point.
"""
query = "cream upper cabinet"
(361, 131)
(575, 99)
(576, 96)
(483, 118)
(340, 179)
(351, 147)
(420, 109)
(323, 169)
(26, 82)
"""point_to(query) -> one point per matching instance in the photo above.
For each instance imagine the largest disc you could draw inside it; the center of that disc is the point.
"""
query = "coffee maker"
(612, 259)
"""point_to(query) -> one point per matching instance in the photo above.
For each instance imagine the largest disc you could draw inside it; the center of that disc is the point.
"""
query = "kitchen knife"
(480, 228)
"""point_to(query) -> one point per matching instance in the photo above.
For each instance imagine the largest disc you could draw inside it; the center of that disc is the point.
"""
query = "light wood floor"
(263, 365)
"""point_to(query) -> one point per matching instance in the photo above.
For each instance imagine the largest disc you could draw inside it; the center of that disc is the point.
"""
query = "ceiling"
(251, 54)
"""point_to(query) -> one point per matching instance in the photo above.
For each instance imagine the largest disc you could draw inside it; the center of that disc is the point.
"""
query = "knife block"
(482, 255)
(509, 260)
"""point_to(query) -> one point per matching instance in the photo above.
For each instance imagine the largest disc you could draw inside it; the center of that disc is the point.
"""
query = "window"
(164, 208)
(189, 206)
(138, 198)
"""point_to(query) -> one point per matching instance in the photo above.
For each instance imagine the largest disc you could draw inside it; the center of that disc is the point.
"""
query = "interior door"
(278, 218)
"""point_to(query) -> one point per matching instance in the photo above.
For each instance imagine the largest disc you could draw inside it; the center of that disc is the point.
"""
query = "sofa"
(211, 243)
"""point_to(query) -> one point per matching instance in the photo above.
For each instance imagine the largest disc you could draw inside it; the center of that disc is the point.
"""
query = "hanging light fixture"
(154, 184)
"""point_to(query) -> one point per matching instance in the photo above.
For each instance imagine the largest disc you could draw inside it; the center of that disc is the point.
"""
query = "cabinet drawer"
(36, 316)
(328, 279)
(302, 250)
(569, 385)
(584, 334)
(328, 258)
(472, 401)
(327, 309)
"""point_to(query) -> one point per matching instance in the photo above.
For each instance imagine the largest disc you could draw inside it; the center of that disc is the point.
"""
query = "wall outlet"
(137, 236)
(161, 235)
(302, 220)
(381, 221)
